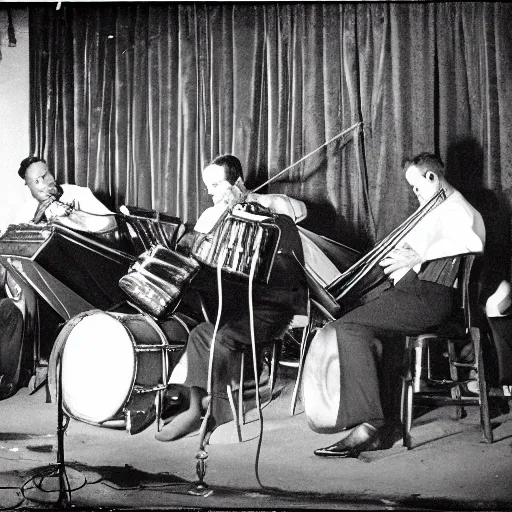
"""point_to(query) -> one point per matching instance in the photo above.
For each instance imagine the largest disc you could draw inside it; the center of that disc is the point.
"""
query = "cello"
(359, 284)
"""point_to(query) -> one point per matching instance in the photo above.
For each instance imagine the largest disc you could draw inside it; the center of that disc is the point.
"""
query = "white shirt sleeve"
(448, 230)
(452, 228)
(26, 211)
(282, 204)
(209, 217)
(89, 214)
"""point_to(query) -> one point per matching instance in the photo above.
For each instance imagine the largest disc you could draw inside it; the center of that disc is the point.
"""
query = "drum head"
(98, 368)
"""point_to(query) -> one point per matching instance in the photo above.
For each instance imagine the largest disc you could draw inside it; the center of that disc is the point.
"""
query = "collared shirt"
(84, 203)
(453, 227)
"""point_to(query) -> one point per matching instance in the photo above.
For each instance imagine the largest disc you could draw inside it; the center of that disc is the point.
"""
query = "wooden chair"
(304, 322)
(434, 392)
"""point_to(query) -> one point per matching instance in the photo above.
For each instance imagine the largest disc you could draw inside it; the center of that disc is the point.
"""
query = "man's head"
(223, 172)
(425, 174)
(38, 178)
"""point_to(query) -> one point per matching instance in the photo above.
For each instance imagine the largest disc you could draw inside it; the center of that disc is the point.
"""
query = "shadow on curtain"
(133, 100)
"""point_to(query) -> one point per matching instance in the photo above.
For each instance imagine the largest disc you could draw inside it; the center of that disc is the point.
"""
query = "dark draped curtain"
(134, 99)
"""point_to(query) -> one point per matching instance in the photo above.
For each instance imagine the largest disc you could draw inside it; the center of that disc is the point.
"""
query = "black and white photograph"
(255, 255)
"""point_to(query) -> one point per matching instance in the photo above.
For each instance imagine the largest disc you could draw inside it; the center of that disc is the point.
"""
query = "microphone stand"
(61, 467)
(57, 470)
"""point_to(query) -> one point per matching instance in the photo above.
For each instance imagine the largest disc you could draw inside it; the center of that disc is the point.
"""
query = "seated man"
(70, 205)
(224, 182)
(498, 309)
(274, 304)
(223, 179)
(423, 270)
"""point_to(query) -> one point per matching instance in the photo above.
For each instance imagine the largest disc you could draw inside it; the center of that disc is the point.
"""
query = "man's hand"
(68, 208)
(41, 208)
(227, 194)
(403, 257)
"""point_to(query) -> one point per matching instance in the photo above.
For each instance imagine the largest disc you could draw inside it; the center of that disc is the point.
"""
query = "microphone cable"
(74, 208)
(201, 489)
(254, 261)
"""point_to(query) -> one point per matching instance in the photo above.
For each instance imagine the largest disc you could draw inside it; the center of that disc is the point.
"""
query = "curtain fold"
(134, 100)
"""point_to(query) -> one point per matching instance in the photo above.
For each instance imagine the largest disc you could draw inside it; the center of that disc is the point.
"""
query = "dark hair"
(426, 162)
(26, 163)
(232, 167)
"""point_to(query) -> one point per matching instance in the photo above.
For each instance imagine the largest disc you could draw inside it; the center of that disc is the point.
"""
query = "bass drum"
(113, 365)
(321, 382)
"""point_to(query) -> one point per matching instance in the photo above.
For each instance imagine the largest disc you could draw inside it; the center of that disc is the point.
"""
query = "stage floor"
(449, 469)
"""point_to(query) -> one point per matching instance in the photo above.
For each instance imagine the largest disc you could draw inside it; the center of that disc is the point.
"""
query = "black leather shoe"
(363, 438)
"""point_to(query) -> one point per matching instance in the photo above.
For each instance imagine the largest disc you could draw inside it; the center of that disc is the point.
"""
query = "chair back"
(468, 294)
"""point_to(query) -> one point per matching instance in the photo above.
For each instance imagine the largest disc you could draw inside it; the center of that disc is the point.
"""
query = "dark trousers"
(501, 328)
(233, 336)
(411, 307)
(11, 337)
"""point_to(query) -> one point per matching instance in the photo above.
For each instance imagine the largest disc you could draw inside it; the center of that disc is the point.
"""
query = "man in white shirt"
(423, 269)
(223, 179)
(225, 184)
(274, 304)
(70, 205)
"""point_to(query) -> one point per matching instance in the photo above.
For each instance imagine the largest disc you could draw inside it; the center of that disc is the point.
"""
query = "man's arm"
(281, 203)
(88, 213)
(456, 231)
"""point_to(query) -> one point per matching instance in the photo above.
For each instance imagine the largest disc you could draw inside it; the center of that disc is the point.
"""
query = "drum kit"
(116, 366)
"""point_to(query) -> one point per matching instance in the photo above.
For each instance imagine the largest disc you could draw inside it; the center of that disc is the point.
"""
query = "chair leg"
(460, 411)
(236, 417)
(418, 345)
(485, 418)
(300, 369)
(406, 403)
(241, 411)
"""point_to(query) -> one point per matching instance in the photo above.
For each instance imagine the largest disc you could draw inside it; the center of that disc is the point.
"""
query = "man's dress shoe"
(362, 438)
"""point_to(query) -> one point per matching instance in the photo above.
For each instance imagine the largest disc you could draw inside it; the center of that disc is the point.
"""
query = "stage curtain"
(133, 100)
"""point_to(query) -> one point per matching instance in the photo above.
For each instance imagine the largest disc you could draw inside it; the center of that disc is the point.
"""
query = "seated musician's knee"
(354, 333)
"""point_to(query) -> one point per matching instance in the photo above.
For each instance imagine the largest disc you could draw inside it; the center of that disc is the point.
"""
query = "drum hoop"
(182, 322)
(122, 319)
(157, 328)
(164, 353)
(163, 346)
(135, 359)
(149, 315)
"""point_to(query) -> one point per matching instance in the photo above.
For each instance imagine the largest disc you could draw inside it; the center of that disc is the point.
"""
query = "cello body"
(321, 382)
